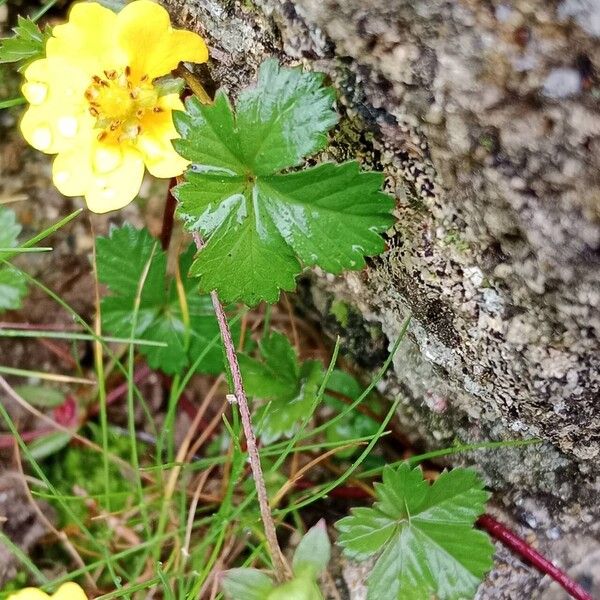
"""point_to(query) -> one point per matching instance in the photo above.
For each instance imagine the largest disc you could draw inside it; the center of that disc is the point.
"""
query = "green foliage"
(313, 552)
(43, 397)
(355, 424)
(12, 283)
(423, 534)
(310, 560)
(122, 260)
(27, 45)
(263, 225)
(289, 387)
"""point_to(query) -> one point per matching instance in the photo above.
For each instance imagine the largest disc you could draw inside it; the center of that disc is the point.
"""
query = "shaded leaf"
(44, 397)
(122, 258)
(313, 551)
(423, 534)
(246, 584)
(12, 283)
(49, 444)
(289, 388)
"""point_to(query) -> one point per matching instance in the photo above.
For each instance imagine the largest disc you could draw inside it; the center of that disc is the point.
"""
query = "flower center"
(120, 104)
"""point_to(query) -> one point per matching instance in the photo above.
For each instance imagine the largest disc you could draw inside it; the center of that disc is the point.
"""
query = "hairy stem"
(282, 570)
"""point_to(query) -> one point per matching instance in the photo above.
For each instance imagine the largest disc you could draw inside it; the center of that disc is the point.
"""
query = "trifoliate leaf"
(246, 584)
(288, 388)
(262, 226)
(313, 551)
(423, 534)
(26, 45)
(122, 259)
(12, 283)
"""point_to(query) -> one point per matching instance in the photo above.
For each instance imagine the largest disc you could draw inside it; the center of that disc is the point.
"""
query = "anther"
(96, 79)
(112, 74)
(93, 111)
(128, 70)
(158, 109)
(102, 136)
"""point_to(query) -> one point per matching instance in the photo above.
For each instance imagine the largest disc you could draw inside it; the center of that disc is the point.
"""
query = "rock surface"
(485, 117)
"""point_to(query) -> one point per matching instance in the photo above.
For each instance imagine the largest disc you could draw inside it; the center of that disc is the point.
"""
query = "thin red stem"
(168, 216)
(519, 546)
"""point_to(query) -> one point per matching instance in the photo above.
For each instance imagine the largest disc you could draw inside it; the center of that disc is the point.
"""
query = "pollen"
(119, 103)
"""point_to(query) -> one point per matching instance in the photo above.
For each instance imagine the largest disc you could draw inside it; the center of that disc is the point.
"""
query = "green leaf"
(49, 444)
(263, 226)
(12, 282)
(42, 397)
(289, 388)
(423, 534)
(122, 258)
(301, 587)
(27, 45)
(246, 584)
(313, 551)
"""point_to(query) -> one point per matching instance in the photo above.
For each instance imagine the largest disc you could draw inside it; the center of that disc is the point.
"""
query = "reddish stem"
(519, 546)
(168, 216)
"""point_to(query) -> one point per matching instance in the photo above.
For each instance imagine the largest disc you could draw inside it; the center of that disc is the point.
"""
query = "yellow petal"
(69, 591)
(72, 172)
(58, 112)
(45, 129)
(155, 142)
(160, 157)
(56, 82)
(116, 189)
(87, 39)
(29, 594)
(154, 48)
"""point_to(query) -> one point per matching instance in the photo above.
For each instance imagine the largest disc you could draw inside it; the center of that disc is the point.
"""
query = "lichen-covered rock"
(485, 116)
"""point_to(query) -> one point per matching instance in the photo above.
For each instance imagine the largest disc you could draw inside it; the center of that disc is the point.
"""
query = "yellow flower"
(67, 591)
(94, 102)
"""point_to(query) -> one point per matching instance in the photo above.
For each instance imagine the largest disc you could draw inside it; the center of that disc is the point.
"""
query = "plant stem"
(282, 570)
(516, 544)
(168, 217)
